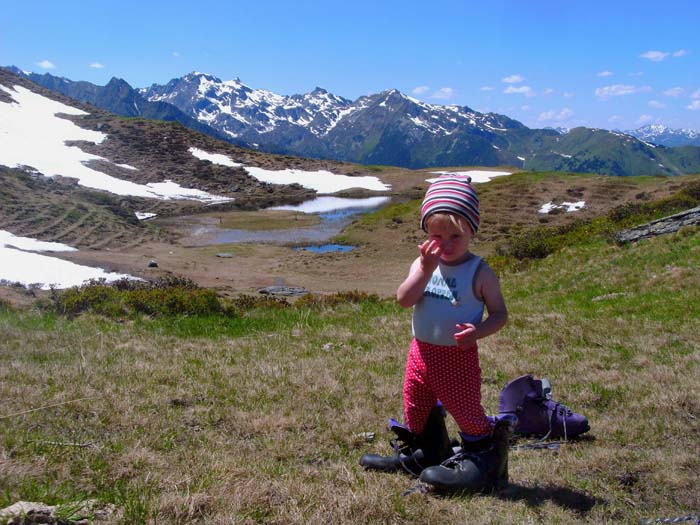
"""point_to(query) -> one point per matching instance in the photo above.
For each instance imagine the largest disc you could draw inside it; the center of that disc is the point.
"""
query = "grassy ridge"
(190, 419)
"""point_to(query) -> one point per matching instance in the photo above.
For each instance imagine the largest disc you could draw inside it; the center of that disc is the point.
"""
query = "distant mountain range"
(387, 128)
(665, 136)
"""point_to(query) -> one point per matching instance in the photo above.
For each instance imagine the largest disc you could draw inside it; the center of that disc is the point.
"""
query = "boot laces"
(463, 455)
(403, 450)
(553, 408)
(557, 409)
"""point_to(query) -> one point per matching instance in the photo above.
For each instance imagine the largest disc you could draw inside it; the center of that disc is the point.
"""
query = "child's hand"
(466, 335)
(430, 252)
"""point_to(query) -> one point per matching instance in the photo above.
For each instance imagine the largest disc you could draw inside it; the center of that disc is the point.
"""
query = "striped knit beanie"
(451, 194)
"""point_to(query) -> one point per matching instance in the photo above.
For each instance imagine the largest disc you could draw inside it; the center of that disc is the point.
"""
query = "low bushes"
(167, 296)
(177, 296)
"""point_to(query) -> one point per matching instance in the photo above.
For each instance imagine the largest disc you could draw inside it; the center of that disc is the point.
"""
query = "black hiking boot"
(480, 466)
(412, 452)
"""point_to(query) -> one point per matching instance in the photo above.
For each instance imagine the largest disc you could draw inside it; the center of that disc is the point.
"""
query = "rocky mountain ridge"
(118, 97)
(391, 128)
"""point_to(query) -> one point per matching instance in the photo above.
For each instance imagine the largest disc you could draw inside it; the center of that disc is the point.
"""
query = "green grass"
(252, 413)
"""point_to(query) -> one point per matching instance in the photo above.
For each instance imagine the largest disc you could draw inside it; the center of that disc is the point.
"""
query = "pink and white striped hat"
(452, 194)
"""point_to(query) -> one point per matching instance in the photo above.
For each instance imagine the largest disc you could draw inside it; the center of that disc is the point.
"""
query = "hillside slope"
(243, 409)
(138, 151)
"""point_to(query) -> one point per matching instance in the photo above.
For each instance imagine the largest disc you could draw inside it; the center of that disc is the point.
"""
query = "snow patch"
(476, 175)
(126, 167)
(28, 268)
(568, 206)
(322, 181)
(216, 158)
(34, 136)
(144, 216)
(10, 240)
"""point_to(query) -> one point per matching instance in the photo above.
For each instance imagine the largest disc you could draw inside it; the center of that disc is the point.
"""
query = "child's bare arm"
(489, 287)
(411, 290)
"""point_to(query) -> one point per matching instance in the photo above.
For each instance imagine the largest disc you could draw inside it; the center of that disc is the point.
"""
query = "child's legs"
(455, 378)
(418, 398)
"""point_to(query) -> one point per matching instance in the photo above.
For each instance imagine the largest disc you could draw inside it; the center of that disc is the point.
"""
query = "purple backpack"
(531, 401)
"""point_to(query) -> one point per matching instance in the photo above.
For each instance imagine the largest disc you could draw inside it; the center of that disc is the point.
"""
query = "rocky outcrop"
(669, 224)
(79, 513)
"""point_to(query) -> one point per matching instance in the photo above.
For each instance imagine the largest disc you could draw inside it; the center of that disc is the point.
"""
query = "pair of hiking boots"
(525, 407)
(473, 466)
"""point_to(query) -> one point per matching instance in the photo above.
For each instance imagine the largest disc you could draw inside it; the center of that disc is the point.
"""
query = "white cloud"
(520, 90)
(617, 90)
(695, 94)
(486, 88)
(637, 74)
(615, 118)
(681, 53)
(420, 90)
(694, 105)
(605, 74)
(674, 92)
(513, 79)
(97, 65)
(46, 64)
(548, 91)
(526, 107)
(555, 116)
(644, 119)
(654, 56)
(569, 95)
(444, 93)
(656, 104)
(176, 53)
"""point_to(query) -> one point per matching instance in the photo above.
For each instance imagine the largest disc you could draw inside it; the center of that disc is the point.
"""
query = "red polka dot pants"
(450, 374)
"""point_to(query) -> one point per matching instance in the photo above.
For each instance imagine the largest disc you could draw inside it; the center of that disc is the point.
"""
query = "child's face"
(454, 241)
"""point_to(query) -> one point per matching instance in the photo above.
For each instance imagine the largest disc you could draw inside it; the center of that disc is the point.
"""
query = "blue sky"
(609, 64)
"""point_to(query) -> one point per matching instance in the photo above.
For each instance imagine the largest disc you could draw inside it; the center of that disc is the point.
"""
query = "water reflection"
(326, 248)
(335, 213)
(336, 205)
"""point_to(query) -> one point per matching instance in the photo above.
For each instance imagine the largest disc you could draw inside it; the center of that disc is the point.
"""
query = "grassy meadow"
(255, 411)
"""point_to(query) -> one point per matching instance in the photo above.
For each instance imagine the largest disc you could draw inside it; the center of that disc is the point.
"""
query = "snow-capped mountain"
(665, 136)
(320, 124)
(238, 110)
(388, 128)
(118, 97)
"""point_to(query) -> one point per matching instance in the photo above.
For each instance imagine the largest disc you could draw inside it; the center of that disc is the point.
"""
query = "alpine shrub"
(335, 299)
(171, 296)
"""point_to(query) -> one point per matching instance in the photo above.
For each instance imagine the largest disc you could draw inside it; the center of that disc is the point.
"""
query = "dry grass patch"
(198, 419)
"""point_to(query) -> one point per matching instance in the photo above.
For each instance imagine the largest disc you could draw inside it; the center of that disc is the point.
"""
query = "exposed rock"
(283, 290)
(224, 255)
(613, 295)
(669, 224)
(29, 513)
(152, 264)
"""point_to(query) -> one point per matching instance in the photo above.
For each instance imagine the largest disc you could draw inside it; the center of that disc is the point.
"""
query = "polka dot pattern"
(450, 374)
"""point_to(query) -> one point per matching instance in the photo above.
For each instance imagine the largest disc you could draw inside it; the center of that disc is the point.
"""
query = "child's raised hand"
(466, 335)
(430, 252)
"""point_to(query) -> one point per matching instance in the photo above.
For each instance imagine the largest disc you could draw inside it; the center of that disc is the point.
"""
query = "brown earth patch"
(385, 248)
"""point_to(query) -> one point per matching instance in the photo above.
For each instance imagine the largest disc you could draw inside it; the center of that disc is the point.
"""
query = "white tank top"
(448, 299)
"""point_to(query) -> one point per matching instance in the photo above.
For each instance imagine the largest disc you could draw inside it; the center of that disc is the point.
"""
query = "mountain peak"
(199, 75)
(115, 81)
